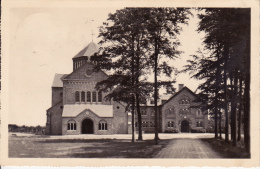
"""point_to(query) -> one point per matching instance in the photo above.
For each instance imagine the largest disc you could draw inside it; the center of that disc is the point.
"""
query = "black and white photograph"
(84, 81)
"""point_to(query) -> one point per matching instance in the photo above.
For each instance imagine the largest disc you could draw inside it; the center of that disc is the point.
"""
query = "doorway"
(87, 126)
(185, 127)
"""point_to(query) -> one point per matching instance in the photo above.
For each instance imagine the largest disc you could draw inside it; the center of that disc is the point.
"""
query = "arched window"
(199, 112)
(152, 124)
(170, 124)
(145, 124)
(199, 124)
(94, 97)
(185, 111)
(143, 112)
(88, 96)
(184, 100)
(99, 96)
(170, 111)
(77, 96)
(83, 96)
(72, 125)
(102, 125)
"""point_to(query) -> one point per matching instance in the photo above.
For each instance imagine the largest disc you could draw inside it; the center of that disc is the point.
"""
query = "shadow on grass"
(226, 150)
(83, 148)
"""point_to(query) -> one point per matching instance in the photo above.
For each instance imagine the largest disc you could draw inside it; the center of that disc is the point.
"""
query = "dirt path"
(187, 148)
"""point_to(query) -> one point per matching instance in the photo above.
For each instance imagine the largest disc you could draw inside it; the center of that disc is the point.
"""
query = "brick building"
(78, 109)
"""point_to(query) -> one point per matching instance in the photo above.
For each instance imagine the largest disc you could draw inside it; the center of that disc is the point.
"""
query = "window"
(94, 97)
(83, 96)
(72, 125)
(143, 112)
(102, 125)
(152, 124)
(144, 124)
(61, 94)
(199, 112)
(136, 124)
(88, 96)
(170, 112)
(77, 96)
(199, 124)
(152, 102)
(170, 124)
(152, 113)
(99, 96)
(184, 100)
(185, 111)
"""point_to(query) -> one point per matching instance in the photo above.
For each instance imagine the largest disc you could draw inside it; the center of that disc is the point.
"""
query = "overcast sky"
(43, 42)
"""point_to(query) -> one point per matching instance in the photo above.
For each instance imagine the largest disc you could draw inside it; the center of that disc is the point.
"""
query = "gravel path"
(187, 148)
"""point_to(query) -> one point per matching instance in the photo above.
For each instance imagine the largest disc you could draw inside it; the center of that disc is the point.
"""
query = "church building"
(77, 108)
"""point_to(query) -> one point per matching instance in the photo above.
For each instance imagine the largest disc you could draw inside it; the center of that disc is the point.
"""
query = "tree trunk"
(140, 136)
(133, 118)
(220, 133)
(156, 92)
(226, 101)
(132, 84)
(240, 109)
(247, 98)
(234, 109)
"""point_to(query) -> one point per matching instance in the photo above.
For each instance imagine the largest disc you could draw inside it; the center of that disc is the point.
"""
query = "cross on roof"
(92, 35)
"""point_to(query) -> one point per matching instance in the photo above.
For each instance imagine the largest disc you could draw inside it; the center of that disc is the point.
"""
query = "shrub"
(172, 131)
(198, 131)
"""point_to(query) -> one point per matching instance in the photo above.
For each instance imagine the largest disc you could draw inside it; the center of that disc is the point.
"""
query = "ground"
(113, 146)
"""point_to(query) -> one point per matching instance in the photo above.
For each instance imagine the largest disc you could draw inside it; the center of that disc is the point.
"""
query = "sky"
(43, 42)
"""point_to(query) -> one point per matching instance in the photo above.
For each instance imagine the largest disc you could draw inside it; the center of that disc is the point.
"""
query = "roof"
(89, 50)
(57, 82)
(175, 94)
(72, 110)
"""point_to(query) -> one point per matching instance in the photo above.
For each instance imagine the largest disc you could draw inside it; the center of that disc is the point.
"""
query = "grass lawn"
(226, 149)
(29, 147)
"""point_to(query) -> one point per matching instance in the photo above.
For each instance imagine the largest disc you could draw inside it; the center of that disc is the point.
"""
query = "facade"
(77, 108)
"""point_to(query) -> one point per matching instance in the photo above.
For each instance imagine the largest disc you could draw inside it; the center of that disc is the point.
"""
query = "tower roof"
(89, 50)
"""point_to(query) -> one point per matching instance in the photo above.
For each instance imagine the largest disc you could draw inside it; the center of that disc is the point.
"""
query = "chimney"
(180, 86)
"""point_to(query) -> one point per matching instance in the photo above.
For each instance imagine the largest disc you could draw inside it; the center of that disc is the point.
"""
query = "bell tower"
(84, 55)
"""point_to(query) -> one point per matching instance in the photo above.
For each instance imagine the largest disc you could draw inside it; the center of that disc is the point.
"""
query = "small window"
(199, 112)
(170, 112)
(136, 124)
(144, 124)
(77, 96)
(152, 124)
(170, 123)
(72, 125)
(184, 100)
(88, 96)
(143, 112)
(117, 107)
(152, 113)
(83, 96)
(99, 96)
(199, 124)
(94, 97)
(102, 125)
(61, 94)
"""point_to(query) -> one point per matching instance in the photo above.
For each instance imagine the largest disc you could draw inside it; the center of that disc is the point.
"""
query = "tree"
(228, 34)
(163, 27)
(124, 53)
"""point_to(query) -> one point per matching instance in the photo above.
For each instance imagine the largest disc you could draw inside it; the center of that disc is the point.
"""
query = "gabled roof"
(72, 110)
(57, 82)
(177, 93)
(89, 50)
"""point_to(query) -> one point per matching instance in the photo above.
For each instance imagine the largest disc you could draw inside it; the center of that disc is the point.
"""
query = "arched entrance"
(185, 126)
(87, 126)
